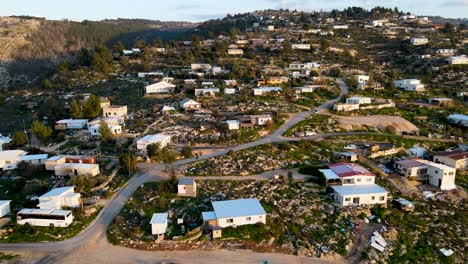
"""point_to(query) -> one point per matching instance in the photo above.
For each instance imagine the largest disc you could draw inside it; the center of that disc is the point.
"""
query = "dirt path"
(361, 240)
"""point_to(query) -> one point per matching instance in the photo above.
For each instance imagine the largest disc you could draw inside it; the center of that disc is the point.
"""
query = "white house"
(162, 139)
(361, 78)
(306, 89)
(230, 90)
(266, 90)
(235, 51)
(370, 194)
(446, 52)
(304, 66)
(35, 159)
(65, 124)
(206, 92)
(340, 26)
(160, 88)
(235, 213)
(9, 159)
(230, 82)
(457, 159)
(150, 74)
(207, 84)
(356, 185)
(233, 124)
(94, 129)
(414, 85)
(416, 41)
(187, 187)
(159, 224)
(416, 152)
(114, 111)
(4, 207)
(439, 175)
(457, 60)
(458, 119)
(75, 169)
(59, 198)
(189, 105)
(168, 79)
(300, 46)
(200, 66)
(358, 100)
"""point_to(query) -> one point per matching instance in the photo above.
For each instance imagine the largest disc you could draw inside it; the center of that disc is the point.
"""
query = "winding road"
(91, 245)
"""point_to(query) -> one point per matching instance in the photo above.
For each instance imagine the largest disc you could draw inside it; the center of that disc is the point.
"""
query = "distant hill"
(31, 44)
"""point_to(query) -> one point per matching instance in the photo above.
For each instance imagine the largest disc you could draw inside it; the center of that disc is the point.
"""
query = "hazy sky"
(206, 9)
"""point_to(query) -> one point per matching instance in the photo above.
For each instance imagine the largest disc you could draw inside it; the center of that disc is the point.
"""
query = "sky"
(201, 10)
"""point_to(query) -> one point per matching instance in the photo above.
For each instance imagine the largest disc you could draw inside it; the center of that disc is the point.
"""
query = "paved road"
(92, 242)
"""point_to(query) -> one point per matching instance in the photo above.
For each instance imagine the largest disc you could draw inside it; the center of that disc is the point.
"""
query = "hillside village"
(336, 135)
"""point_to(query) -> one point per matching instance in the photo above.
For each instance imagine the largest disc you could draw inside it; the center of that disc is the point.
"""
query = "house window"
(248, 218)
(347, 199)
(359, 179)
(260, 217)
(382, 198)
(230, 220)
(436, 172)
(369, 179)
(372, 198)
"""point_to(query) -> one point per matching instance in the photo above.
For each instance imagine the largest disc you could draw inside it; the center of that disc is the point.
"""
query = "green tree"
(92, 107)
(158, 42)
(154, 151)
(324, 45)
(84, 58)
(105, 131)
(186, 152)
(75, 111)
(47, 84)
(19, 139)
(63, 66)
(140, 44)
(127, 162)
(118, 47)
(41, 131)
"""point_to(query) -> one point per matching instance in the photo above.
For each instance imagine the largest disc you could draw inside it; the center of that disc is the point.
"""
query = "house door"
(356, 200)
(440, 182)
(75, 172)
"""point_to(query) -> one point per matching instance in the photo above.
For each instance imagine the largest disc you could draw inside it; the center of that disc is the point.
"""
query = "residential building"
(162, 139)
(34, 159)
(416, 152)
(59, 198)
(266, 90)
(235, 51)
(416, 41)
(361, 78)
(9, 159)
(206, 92)
(76, 169)
(200, 66)
(4, 207)
(358, 100)
(304, 66)
(189, 105)
(446, 52)
(251, 121)
(458, 119)
(230, 82)
(300, 46)
(187, 187)
(457, 60)
(160, 88)
(190, 81)
(354, 185)
(158, 223)
(233, 124)
(410, 85)
(94, 130)
(234, 213)
(340, 26)
(438, 175)
(65, 124)
(230, 91)
(51, 162)
(207, 84)
(457, 159)
(306, 89)
(441, 101)
(114, 111)
(150, 74)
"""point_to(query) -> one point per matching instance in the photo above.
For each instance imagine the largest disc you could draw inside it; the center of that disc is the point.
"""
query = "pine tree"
(105, 131)
(75, 111)
(41, 131)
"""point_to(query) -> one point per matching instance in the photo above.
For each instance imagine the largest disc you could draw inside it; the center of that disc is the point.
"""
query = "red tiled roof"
(349, 169)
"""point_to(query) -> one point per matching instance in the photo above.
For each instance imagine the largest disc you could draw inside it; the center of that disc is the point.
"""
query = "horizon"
(184, 11)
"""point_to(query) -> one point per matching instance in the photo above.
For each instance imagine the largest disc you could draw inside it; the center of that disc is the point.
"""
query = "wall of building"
(238, 221)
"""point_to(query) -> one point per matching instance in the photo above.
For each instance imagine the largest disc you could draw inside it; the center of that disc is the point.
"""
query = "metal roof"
(58, 192)
(44, 211)
(329, 174)
(159, 218)
(349, 169)
(208, 215)
(11, 154)
(359, 189)
(186, 181)
(238, 208)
